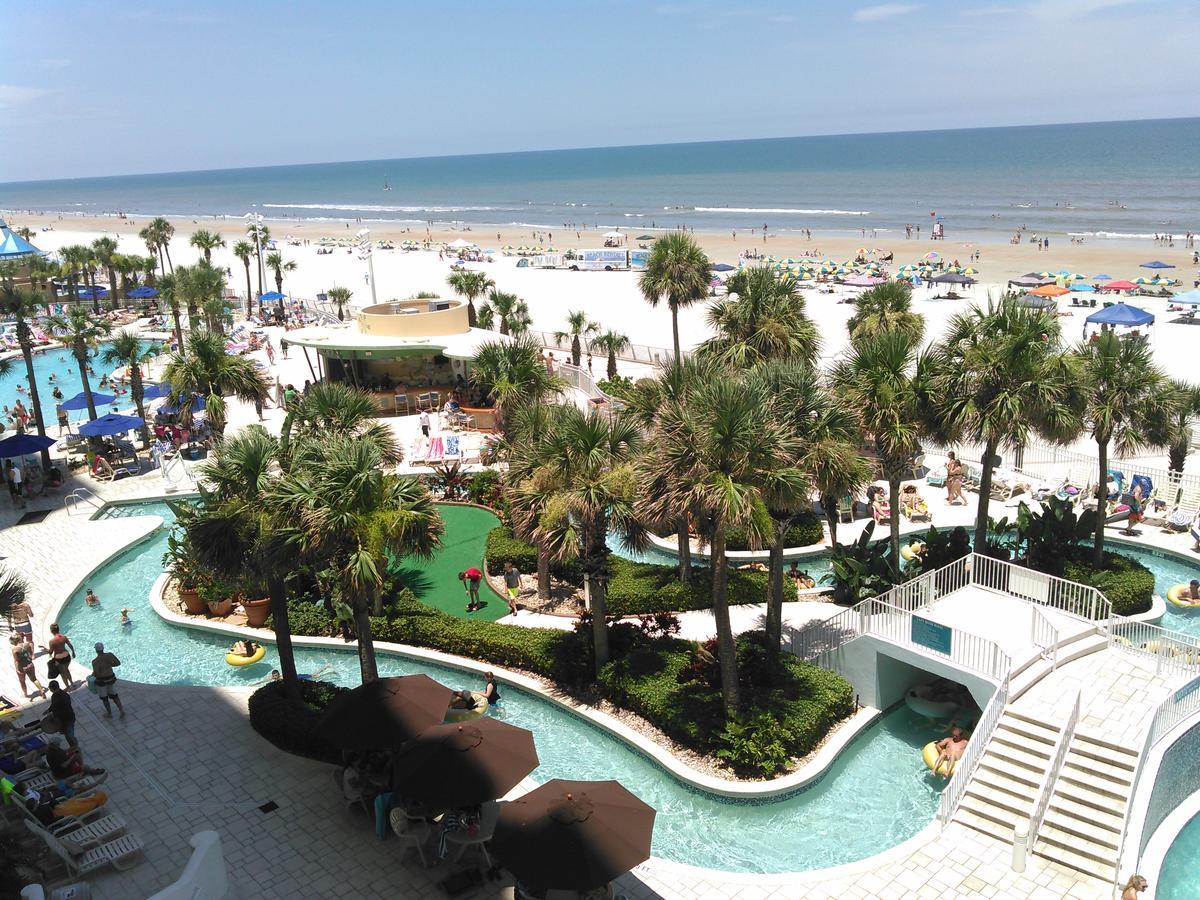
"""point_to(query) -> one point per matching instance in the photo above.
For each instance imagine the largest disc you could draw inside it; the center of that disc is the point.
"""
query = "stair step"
(1057, 823)
(1071, 860)
(1082, 795)
(1022, 744)
(996, 782)
(1050, 836)
(1105, 791)
(1101, 771)
(1021, 724)
(1065, 807)
(1094, 753)
(983, 825)
(1030, 779)
(1115, 751)
(1005, 805)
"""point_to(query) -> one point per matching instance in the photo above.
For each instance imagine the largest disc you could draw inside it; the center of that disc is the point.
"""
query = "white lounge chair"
(82, 833)
(122, 854)
(410, 832)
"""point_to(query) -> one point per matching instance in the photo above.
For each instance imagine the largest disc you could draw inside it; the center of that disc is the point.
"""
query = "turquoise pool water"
(1178, 879)
(877, 794)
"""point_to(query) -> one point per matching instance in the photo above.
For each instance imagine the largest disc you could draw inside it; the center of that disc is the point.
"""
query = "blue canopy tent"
(13, 246)
(79, 401)
(1191, 298)
(272, 297)
(23, 445)
(1157, 264)
(1119, 315)
(109, 425)
(1081, 287)
(142, 292)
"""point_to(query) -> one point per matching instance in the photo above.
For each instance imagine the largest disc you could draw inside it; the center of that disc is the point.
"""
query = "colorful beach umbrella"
(1082, 287)
(1101, 277)
(1049, 290)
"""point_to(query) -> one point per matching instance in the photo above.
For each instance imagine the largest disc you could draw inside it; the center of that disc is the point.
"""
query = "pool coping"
(1164, 838)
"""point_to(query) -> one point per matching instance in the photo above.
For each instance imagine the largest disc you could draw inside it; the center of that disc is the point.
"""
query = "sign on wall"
(933, 635)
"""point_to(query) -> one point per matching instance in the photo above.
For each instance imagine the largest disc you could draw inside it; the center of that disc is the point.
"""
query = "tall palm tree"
(244, 250)
(126, 349)
(77, 259)
(579, 329)
(104, 251)
(202, 286)
(351, 518)
(278, 266)
(151, 237)
(21, 305)
(514, 375)
(725, 456)
(80, 331)
(150, 265)
(678, 272)
(1179, 441)
(762, 318)
(341, 296)
(263, 235)
(997, 377)
(128, 268)
(508, 308)
(611, 343)
(879, 379)
(1127, 398)
(331, 407)
(206, 242)
(169, 289)
(163, 231)
(202, 367)
(471, 285)
(884, 308)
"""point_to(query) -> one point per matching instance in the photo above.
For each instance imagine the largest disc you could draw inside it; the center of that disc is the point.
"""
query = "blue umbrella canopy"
(13, 246)
(142, 293)
(271, 297)
(155, 391)
(79, 401)
(110, 424)
(1157, 264)
(93, 293)
(1122, 314)
(171, 409)
(1081, 287)
(722, 267)
(1191, 298)
(21, 444)
(1102, 277)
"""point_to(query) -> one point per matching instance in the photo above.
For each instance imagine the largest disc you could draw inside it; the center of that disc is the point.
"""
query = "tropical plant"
(203, 288)
(127, 350)
(244, 251)
(169, 290)
(202, 367)
(471, 285)
(278, 266)
(331, 407)
(611, 343)
(514, 375)
(259, 234)
(150, 236)
(508, 308)
(883, 309)
(1179, 439)
(677, 272)
(21, 305)
(104, 251)
(341, 296)
(1127, 398)
(861, 570)
(77, 258)
(579, 329)
(206, 242)
(1049, 537)
(762, 318)
(78, 330)
(14, 591)
(161, 231)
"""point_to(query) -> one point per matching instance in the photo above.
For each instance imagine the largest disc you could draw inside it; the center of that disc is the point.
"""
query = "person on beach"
(22, 655)
(63, 712)
(61, 652)
(954, 480)
(470, 579)
(512, 584)
(106, 680)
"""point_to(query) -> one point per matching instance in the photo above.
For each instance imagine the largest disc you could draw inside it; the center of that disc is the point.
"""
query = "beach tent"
(13, 246)
(1082, 287)
(1119, 286)
(1191, 298)
(1102, 277)
(1029, 301)
(614, 234)
(460, 244)
(721, 267)
(952, 278)
(1157, 264)
(1049, 290)
(1121, 314)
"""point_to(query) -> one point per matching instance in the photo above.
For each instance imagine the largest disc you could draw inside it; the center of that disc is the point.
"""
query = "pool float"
(912, 551)
(236, 659)
(465, 715)
(1177, 597)
(929, 753)
(920, 699)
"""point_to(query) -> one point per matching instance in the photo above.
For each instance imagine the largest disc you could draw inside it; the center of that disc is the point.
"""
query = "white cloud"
(13, 95)
(54, 63)
(883, 11)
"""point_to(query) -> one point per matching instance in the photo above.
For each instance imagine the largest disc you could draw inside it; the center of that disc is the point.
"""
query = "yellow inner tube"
(929, 753)
(235, 659)
(910, 551)
(465, 715)
(1178, 597)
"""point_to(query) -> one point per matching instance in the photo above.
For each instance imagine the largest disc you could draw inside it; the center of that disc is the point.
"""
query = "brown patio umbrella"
(383, 714)
(573, 835)
(458, 765)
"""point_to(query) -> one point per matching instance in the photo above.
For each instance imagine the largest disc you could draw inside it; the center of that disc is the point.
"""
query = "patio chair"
(81, 833)
(122, 853)
(845, 509)
(917, 465)
(80, 784)
(424, 402)
(351, 793)
(461, 840)
(411, 833)
(401, 404)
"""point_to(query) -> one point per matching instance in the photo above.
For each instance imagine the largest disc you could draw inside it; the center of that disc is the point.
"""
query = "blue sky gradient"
(118, 87)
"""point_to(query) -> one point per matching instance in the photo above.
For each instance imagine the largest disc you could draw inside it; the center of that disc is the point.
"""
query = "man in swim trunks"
(950, 749)
(470, 579)
(512, 584)
(106, 680)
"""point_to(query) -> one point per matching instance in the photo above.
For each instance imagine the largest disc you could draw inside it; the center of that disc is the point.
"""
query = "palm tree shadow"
(413, 579)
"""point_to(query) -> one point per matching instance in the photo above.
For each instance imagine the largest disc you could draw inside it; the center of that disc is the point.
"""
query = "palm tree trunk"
(112, 284)
(597, 590)
(91, 283)
(829, 504)
(675, 330)
(138, 392)
(612, 365)
(985, 494)
(81, 359)
(249, 301)
(472, 320)
(726, 647)
(894, 521)
(258, 253)
(684, 545)
(543, 574)
(167, 250)
(34, 399)
(162, 262)
(283, 638)
(1101, 500)
(775, 588)
(178, 325)
(575, 349)
(366, 643)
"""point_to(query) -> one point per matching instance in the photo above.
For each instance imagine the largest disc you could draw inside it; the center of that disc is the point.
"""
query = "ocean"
(1122, 180)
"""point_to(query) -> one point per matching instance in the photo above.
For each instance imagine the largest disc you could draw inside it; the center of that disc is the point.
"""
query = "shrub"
(757, 746)
(637, 588)
(502, 546)
(806, 529)
(485, 488)
(1128, 585)
(293, 726)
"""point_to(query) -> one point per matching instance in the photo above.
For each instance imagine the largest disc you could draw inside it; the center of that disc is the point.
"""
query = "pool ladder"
(72, 501)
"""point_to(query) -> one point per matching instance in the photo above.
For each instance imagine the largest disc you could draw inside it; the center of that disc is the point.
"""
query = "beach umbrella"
(970, 271)
(1157, 264)
(1191, 298)
(79, 401)
(23, 444)
(1082, 287)
(1049, 290)
(272, 297)
(383, 714)
(719, 267)
(1078, 276)
(1119, 286)
(172, 408)
(932, 254)
(644, 237)
(1121, 314)
(155, 391)
(1101, 277)
(1144, 280)
(573, 835)
(110, 424)
(142, 292)
(465, 764)
(1028, 301)
(88, 293)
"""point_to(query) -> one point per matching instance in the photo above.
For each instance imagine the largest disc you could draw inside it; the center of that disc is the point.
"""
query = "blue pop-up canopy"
(1082, 287)
(110, 424)
(1157, 264)
(22, 444)
(1121, 314)
(1191, 298)
(79, 401)
(142, 293)
(154, 391)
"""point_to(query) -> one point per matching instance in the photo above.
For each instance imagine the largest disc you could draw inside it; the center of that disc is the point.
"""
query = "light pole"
(364, 252)
(255, 220)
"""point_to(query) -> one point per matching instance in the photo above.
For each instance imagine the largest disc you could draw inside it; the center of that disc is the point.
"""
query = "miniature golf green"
(435, 581)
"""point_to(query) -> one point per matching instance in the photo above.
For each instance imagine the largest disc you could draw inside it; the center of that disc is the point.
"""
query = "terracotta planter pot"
(220, 608)
(190, 598)
(257, 611)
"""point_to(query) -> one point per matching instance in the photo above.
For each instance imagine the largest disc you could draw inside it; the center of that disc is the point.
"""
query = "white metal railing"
(1044, 636)
(1050, 779)
(641, 353)
(1069, 597)
(976, 747)
(583, 380)
(1173, 652)
(80, 495)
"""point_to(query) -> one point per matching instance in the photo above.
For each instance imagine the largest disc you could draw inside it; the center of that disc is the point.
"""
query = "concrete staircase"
(1082, 828)
(1036, 668)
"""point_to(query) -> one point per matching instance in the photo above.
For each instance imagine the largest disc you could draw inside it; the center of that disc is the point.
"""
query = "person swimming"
(125, 620)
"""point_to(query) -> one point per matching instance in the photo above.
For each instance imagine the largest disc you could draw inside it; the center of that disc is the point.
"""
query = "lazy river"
(877, 793)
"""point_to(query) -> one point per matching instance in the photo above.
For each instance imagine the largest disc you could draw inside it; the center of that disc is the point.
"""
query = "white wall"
(882, 672)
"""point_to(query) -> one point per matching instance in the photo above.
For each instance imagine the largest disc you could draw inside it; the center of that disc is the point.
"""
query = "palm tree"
(128, 268)
(149, 266)
(277, 265)
(1127, 397)
(104, 251)
(202, 367)
(762, 318)
(76, 258)
(349, 517)
(470, 285)
(169, 290)
(341, 296)
(677, 271)
(579, 329)
(612, 343)
(79, 331)
(206, 242)
(163, 231)
(263, 235)
(21, 305)
(126, 350)
(201, 285)
(997, 377)
(726, 455)
(150, 236)
(331, 407)
(514, 375)
(244, 250)
(884, 308)
(1179, 441)
(878, 379)
(507, 307)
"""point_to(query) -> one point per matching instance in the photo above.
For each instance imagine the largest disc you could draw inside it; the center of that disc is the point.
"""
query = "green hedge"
(501, 547)
(1127, 584)
(806, 529)
(293, 726)
(640, 588)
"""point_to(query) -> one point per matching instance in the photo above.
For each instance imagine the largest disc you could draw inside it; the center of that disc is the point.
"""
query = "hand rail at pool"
(1050, 779)
(976, 747)
(1070, 597)
(80, 495)
(1172, 651)
(1044, 636)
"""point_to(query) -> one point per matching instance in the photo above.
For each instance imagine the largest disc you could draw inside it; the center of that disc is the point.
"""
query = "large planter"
(220, 608)
(257, 611)
(190, 598)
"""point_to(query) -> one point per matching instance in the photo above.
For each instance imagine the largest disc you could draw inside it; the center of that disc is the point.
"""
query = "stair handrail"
(80, 495)
(1044, 636)
(1050, 778)
(976, 747)
(1172, 651)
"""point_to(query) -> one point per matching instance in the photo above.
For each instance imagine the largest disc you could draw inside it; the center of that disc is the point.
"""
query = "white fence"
(640, 353)
(1173, 652)
(1050, 778)
(1044, 636)
(976, 747)
(1067, 596)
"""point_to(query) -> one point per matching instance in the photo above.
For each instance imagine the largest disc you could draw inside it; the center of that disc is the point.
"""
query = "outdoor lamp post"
(364, 252)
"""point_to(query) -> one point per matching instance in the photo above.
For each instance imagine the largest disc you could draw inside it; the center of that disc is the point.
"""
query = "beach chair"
(413, 833)
(845, 509)
(426, 402)
(401, 404)
(437, 450)
(452, 448)
(420, 450)
(122, 853)
(81, 833)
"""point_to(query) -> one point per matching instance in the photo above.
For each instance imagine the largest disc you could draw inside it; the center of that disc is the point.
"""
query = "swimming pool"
(875, 795)
(1177, 879)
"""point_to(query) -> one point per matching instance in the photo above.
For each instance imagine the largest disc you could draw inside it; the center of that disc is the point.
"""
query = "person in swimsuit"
(21, 618)
(954, 480)
(22, 654)
(950, 749)
(61, 652)
(491, 690)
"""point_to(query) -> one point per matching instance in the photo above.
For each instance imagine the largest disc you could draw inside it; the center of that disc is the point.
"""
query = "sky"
(119, 87)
